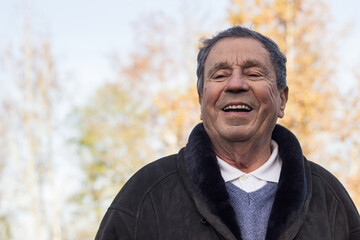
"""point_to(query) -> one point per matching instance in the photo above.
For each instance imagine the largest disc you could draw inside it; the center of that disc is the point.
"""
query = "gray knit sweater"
(252, 209)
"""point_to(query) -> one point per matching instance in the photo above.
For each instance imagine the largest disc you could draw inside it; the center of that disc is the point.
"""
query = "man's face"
(240, 101)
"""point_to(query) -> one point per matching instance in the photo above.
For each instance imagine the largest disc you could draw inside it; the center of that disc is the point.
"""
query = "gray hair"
(277, 57)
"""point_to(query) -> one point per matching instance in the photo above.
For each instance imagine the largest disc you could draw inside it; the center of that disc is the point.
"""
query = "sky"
(84, 33)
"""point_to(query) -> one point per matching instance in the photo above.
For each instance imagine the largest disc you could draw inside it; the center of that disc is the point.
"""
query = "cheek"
(268, 96)
(205, 101)
(274, 95)
(207, 104)
(210, 95)
(209, 100)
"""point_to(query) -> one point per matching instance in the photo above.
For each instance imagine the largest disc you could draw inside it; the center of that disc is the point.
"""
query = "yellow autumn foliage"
(316, 110)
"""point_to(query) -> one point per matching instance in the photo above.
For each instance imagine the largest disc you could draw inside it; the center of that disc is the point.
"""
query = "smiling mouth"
(237, 108)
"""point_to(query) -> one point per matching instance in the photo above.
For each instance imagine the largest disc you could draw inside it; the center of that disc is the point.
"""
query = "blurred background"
(92, 90)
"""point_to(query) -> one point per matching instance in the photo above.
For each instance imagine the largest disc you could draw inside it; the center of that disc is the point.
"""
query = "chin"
(236, 135)
(236, 138)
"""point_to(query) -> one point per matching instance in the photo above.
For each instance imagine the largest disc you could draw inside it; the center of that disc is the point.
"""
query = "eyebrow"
(255, 63)
(218, 66)
(247, 64)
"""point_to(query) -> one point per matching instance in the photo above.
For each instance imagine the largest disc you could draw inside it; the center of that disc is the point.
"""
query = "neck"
(244, 156)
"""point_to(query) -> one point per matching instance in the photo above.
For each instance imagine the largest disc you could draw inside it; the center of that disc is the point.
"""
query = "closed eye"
(219, 76)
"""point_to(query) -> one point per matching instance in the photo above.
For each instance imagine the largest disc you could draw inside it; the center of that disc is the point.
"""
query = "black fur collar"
(204, 171)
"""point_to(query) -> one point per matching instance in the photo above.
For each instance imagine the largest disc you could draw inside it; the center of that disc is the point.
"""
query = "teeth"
(237, 107)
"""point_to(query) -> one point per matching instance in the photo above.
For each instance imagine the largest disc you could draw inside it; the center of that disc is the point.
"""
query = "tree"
(115, 125)
(350, 123)
(299, 27)
(139, 116)
(180, 111)
(5, 232)
(29, 138)
(316, 110)
(111, 146)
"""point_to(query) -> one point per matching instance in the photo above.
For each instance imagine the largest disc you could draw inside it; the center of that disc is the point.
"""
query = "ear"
(284, 92)
(200, 98)
(200, 102)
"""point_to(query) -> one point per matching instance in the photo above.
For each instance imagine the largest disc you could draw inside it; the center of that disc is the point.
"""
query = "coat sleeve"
(132, 214)
(352, 216)
(116, 225)
(344, 217)
(121, 223)
(346, 213)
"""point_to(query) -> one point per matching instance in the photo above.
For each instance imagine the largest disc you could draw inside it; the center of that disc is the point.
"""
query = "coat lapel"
(292, 189)
(204, 172)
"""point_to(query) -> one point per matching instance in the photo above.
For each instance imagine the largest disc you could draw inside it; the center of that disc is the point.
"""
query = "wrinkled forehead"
(239, 52)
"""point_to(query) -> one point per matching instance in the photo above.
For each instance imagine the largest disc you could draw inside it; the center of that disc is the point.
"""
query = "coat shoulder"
(143, 182)
(325, 177)
(326, 182)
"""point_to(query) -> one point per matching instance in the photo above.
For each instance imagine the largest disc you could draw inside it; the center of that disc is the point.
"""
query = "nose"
(236, 83)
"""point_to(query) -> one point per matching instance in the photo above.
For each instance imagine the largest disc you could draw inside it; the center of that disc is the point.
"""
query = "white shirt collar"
(269, 171)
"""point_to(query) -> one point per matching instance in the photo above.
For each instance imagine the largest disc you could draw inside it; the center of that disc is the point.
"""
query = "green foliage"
(135, 119)
(110, 139)
(5, 232)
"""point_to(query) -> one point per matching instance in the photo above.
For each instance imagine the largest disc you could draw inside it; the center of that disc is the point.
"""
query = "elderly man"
(240, 176)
